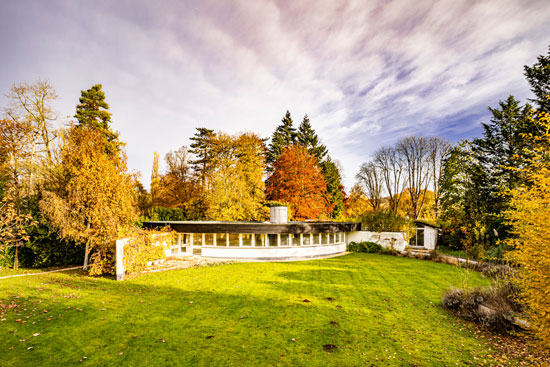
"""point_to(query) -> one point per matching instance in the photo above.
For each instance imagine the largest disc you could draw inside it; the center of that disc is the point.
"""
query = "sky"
(367, 73)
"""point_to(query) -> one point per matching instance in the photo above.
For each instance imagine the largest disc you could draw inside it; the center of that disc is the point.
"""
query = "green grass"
(453, 252)
(384, 310)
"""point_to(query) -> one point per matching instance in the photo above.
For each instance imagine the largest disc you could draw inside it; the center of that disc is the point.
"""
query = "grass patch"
(363, 309)
(453, 252)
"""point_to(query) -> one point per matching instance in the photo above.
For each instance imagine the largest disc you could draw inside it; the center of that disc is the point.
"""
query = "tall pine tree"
(538, 77)
(92, 112)
(335, 189)
(308, 138)
(284, 136)
(202, 149)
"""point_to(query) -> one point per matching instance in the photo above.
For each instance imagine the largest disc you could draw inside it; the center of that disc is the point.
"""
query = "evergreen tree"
(335, 189)
(285, 135)
(538, 77)
(92, 112)
(307, 137)
(202, 149)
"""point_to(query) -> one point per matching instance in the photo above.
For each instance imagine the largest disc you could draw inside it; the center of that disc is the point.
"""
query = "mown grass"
(375, 309)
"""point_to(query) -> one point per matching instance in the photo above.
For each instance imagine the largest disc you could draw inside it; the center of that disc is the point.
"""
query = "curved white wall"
(272, 253)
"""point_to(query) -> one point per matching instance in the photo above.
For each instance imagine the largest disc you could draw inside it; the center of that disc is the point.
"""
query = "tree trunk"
(85, 266)
(16, 260)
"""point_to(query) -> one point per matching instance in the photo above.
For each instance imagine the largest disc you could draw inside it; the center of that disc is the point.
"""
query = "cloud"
(366, 72)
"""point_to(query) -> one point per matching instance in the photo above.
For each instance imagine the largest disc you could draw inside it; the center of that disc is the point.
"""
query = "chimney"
(278, 214)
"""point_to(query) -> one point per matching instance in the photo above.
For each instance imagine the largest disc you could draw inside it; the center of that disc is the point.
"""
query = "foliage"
(92, 112)
(365, 246)
(307, 137)
(144, 246)
(89, 196)
(285, 135)
(297, 179)
(529, 216)
(236, 182)
(538, 77)
(335, 188)
(202, 149)
(355, 204)
(383, 221)
(159, 213)
(13, 228)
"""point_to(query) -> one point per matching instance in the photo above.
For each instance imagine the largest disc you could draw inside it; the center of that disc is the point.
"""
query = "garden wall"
(385, 239)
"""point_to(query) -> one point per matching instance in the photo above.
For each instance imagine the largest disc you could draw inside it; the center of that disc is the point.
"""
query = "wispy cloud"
(366, 73)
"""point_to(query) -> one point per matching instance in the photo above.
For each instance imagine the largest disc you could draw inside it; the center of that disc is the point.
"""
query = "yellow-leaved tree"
(236, 189)
(529, 217)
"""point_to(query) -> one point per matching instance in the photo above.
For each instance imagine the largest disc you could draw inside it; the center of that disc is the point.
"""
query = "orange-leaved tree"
(529, 217)
(89, 196)
(298, 181)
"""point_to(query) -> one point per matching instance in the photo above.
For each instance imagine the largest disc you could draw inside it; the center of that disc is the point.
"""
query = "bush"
(365, 247)
(383, 221)
(494, 307)
(160, 213)
(142, 247)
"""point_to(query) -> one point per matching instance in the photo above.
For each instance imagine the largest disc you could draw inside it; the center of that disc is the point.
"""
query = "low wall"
(385, 239)
(272, 253)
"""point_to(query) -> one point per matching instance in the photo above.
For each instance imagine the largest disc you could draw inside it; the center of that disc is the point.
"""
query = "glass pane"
(233, 239)
(284, 239)
(209, 239)
(307, 239)
(294, 239)
(324, 239)
(260, 239)
(247, 239)
(272, 239)
(221, 239)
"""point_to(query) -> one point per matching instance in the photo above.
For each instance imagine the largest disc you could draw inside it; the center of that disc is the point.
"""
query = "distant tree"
(202, 149)
(335, 190)
(16, 170)
(538, 77)
(297, 180)
(90, 196)
(142, 198)
(438, 151)
(92, 112)
(415, 151)
(13, 227)
(155, 181)
(284, 136)
(31, 105)
(307, 137)
(393, 175)
(356, 203)
(370, 180)
(237, 187)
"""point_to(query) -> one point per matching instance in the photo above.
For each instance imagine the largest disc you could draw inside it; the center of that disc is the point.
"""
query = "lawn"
(360, 309)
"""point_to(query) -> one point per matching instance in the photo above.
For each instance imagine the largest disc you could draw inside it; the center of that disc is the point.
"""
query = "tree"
(13, 227)
(298, 181)
(237, 187)
(285, 135)
(538, 77)
(90, 196)
(30, 104)
(356, 203)
(155, 180)
(415, 151)
(92, 112)
(308, 138)
(391, 166)
(335, 190)
(202, 149)
(16, 153)
(438, 150)
(369, 178)
(529, 216)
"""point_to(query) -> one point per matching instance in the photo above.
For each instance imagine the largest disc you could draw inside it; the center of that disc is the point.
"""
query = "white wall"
(430, 237)
(385, 239)
(274, 253)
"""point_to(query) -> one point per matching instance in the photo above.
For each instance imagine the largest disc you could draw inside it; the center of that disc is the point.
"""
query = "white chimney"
(278, 214)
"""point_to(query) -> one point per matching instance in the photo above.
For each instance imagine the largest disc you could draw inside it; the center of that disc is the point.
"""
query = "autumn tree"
(13, 227)
(155, 180)
(356, 203)
(529, 216)
(237, 189)
(297, 180)
(284, 135)
(89, 196)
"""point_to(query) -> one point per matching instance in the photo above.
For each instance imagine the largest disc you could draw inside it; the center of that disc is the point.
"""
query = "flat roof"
(254, 227)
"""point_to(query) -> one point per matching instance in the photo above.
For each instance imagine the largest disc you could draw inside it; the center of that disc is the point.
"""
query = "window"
(233, 239)
(247, 239)
(221, 239)
(209, 239)
(285, 239)
(272, 239)
(294, 239)
(259, 239)
(306, 239)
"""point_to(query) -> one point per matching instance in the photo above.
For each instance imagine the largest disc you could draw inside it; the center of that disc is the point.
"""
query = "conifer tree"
(307, 137)
(335, 189)
(284, 136)
(92, 112)
(202, 149)
(538, 77)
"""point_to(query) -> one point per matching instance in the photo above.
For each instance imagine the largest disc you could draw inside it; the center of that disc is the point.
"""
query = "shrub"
(494, 306)
(142, 247)
(365, 247)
